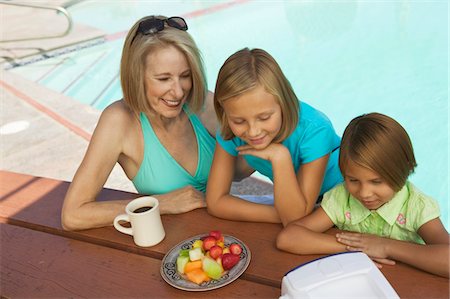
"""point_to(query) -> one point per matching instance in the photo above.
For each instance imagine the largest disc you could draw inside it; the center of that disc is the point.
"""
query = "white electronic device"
(342, 275)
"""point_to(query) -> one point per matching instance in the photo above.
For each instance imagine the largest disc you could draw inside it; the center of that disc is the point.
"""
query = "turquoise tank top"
(160, 173)
(313, 138)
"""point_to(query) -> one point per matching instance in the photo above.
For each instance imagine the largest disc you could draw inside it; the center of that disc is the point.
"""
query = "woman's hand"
(181, 200)
(372, 245)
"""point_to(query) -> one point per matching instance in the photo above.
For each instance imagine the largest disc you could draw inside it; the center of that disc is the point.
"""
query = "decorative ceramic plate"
(170, 274)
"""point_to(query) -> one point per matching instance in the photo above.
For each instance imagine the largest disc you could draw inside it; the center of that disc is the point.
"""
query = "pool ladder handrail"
(60, 9)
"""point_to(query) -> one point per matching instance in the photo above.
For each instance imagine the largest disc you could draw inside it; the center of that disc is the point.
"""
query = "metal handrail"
(41, 6)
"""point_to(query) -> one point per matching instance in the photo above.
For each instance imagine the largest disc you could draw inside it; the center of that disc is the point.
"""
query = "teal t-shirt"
(313, 138)
(160, 173)
(399, 219)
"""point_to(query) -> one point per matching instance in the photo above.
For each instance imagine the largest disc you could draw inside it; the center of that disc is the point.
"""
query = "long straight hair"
(245, 70)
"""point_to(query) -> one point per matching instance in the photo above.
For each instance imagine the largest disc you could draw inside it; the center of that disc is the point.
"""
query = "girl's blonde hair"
(133, 63)
(378, 142)
(247, 69)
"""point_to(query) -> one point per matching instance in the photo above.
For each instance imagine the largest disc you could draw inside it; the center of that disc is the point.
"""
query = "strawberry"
(215, 251)
(235, 249)
(217, 234)
(209, 242)
(229, 260)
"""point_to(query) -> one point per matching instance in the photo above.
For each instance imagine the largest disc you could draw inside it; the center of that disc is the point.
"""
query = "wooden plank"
(36, 202)
(37, 264)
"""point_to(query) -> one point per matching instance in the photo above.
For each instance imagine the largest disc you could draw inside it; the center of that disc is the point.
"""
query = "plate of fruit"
(205, 262)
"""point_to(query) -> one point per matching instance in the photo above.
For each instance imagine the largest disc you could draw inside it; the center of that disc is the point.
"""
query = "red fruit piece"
(209, 242)
(235, 249)
(215, 251)
(229, 260)
(217, 234)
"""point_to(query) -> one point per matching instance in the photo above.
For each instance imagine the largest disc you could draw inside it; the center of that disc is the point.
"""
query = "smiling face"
(168, 81)
(367, 186)
(254, 116)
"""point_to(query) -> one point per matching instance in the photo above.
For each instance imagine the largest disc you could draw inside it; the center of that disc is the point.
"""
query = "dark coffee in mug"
(142, 209)
(144, 221)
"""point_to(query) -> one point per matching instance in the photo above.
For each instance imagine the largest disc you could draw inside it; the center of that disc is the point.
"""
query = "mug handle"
(119, 227)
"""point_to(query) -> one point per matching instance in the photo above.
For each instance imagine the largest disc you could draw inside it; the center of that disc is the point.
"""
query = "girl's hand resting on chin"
(271, 153)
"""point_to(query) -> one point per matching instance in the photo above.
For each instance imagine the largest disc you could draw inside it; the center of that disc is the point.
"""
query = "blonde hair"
(247, 69)
(132, 66)
(378, 142)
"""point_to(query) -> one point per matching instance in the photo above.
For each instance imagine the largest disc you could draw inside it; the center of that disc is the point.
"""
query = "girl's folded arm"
(310, 179)
(307, 235)
(294, 193)
(432, 257)
(219, 201)
(289, 200)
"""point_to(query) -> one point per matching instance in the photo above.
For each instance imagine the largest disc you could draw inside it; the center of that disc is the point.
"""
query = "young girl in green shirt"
(379, 211)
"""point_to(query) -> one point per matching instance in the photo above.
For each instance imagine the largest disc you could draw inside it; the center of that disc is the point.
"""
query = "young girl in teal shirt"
(264, 127)
(381, 213)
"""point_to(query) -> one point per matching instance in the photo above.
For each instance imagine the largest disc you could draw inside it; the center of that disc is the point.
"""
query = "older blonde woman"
(161, 132)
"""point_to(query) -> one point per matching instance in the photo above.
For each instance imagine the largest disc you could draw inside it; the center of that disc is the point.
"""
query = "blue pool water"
(343, 57)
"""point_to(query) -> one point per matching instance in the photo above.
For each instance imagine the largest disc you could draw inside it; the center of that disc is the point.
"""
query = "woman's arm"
(80, 210)
(306, 235)
(432, 257)
(114, 139)
(219, 201)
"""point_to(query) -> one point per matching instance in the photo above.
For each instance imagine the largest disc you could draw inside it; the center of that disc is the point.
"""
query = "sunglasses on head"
(153, 25)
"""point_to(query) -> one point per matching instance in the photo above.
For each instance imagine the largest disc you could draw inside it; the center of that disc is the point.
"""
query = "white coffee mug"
(146, 226)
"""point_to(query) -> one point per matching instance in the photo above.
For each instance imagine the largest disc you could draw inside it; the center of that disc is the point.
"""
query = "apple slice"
(195, 254)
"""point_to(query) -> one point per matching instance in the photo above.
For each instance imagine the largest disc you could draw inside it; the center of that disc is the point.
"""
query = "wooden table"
(40, 259)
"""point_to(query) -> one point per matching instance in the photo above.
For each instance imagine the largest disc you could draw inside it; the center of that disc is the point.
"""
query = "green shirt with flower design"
(399, 219)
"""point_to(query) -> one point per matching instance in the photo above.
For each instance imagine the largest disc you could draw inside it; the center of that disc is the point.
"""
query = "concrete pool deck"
(43, 132)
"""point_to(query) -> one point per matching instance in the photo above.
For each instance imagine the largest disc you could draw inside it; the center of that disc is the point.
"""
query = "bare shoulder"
(208, 116)
(116, 124)
(117, 117)
(117, 112)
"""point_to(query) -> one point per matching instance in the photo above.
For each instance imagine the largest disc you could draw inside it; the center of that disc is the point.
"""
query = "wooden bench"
(34, 204)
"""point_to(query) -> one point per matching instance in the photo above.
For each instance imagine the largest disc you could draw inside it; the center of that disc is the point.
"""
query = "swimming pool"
(345, 58)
